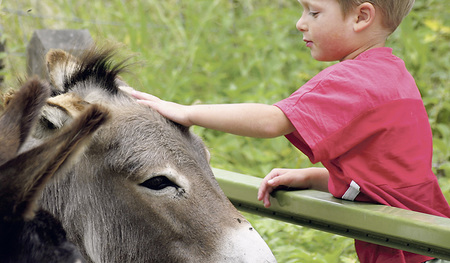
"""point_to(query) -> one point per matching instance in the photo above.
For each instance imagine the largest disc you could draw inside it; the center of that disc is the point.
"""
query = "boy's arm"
(246, 119)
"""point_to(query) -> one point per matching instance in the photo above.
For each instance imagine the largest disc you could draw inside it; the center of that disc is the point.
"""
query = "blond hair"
(393, 11)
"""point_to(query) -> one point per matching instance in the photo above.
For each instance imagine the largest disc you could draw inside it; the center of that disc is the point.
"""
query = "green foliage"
(229, 51)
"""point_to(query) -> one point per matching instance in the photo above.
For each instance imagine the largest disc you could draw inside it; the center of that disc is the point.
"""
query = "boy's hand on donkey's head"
(170, 110)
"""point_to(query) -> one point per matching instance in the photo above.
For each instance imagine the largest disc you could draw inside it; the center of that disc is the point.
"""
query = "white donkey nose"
(245, 245)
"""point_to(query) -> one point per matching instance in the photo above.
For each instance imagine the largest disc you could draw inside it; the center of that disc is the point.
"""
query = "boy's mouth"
(308, 42)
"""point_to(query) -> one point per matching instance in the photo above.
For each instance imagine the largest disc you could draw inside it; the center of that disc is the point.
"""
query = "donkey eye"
(158, 183)
(48, 124)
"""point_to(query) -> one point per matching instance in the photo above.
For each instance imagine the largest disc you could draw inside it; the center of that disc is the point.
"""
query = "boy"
(363, 118)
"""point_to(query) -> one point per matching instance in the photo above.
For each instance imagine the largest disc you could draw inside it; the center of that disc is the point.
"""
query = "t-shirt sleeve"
(320, 108)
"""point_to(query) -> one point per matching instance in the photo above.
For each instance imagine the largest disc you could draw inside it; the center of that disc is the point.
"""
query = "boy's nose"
(301, 26)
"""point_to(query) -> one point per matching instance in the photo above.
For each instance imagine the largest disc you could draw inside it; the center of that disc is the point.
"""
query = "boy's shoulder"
(375, 75)
(376, 58)
(370, 65)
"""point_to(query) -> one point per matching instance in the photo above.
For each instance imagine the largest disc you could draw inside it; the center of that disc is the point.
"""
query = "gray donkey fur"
(143, 191)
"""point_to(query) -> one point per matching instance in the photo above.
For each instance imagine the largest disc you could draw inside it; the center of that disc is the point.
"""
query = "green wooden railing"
(388, 226)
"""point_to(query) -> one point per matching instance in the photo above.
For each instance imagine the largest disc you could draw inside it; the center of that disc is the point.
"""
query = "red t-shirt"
(364, 119)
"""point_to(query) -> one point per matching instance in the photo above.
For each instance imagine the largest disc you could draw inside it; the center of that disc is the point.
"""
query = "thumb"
(284, 179)
(274, 182)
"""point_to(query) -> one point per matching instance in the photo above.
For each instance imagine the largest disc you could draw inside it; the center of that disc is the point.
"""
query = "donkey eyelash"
(158, 183)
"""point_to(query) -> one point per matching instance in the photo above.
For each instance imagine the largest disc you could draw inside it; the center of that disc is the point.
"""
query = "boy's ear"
(364, 16)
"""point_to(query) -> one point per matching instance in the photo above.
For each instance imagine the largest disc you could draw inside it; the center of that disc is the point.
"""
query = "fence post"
(72, 41)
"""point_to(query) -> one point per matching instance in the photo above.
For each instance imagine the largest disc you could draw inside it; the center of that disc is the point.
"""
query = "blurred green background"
(229, 51)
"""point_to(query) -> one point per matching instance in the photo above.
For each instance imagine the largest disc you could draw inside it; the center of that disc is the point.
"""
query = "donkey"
(143, 191)
(26, 233)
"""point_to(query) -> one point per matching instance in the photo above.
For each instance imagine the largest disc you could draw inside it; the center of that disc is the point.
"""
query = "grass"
(211, 51)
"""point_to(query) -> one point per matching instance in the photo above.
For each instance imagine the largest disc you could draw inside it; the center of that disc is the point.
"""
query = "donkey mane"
(96, 65)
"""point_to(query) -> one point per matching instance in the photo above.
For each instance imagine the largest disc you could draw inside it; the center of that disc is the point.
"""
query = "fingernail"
(270, 181)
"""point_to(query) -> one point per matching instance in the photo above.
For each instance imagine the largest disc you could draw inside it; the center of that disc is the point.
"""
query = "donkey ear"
(23, 178)
(60, 66)
(19, 117)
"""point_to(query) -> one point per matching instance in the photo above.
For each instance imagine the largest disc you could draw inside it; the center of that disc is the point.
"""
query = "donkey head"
(26, 233)
(143, 191)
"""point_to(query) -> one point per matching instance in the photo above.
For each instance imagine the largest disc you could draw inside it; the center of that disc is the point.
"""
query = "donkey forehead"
(144, 133)
(138, 138)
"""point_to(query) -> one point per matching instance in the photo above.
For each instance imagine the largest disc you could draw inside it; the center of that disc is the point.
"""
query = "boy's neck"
(363, 49)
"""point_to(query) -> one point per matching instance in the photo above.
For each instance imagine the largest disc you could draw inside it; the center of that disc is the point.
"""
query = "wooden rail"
(383, 225)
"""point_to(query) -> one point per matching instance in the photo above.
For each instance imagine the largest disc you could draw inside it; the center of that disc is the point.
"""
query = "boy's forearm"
(247, 119)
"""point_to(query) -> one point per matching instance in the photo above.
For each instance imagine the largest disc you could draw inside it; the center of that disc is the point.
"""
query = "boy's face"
(325, 30)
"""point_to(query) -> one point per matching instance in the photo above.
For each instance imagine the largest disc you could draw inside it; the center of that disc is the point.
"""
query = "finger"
(263, 195)
(144, 96)
(127, 89)
(268, 188)
(265, 186)
(266, 200)
(273, 182)
(277, 181)
(274, 173)
(263, 191)
(146, 103)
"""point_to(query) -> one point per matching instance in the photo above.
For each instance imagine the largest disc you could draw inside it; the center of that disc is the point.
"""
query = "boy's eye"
(313, 14)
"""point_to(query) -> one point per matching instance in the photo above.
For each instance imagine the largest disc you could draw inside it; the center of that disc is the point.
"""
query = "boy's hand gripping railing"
(388, 226)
